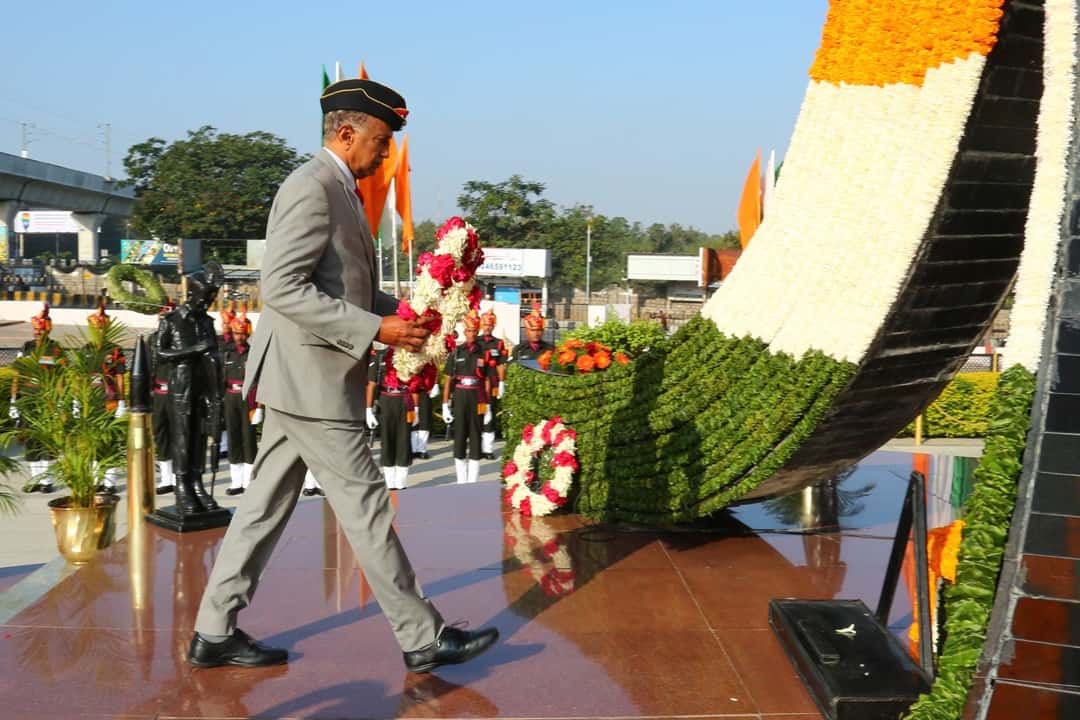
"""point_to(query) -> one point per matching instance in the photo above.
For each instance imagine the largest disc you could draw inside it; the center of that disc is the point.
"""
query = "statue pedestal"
(171, 519)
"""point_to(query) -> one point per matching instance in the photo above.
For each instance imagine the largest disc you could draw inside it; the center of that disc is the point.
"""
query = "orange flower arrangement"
(575, 356)
(899, 40)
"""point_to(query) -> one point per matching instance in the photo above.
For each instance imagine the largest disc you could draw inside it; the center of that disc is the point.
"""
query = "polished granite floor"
(596, 620)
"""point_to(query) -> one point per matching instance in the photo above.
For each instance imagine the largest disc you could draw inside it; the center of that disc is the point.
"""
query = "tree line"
(219, 186)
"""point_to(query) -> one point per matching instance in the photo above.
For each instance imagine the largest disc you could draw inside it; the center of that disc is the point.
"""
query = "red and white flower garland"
(552, 567)
(517, 473)
(445, 291)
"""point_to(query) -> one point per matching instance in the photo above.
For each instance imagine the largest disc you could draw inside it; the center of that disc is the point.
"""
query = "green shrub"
(632, 339)
(962, 410)
(987, 517)
(684, 430)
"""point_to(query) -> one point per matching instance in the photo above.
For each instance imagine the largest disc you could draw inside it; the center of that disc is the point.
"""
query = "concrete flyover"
(26, 183)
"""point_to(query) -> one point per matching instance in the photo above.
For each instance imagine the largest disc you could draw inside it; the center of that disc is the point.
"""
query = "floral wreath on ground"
(445, 291)
(519, 476)
(552, 568)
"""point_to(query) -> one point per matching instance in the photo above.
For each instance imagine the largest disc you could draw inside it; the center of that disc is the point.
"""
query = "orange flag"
(375, 187)
(749, 213)
(403, 196)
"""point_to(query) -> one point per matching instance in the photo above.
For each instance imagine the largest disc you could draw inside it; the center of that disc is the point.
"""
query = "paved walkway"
(28, 540)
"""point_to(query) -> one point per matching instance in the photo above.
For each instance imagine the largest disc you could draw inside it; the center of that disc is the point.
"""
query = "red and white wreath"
(518, 473)
(542, 552)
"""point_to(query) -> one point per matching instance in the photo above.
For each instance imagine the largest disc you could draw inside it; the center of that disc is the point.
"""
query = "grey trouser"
(338, 455)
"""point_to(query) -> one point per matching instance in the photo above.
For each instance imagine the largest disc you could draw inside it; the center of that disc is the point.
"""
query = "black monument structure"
(187, 342)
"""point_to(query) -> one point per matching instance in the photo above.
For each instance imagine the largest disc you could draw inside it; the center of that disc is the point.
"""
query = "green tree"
(209, 185)
(511, 213)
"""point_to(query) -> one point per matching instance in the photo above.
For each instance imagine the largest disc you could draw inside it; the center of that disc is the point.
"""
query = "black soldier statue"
(188, 344)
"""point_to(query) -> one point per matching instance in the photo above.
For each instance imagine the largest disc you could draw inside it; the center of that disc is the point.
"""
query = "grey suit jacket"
(321, 305)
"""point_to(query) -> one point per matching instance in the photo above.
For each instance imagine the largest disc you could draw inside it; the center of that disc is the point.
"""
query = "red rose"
(423, 260)
(475, 296)
(461, 275)
(453, 223)
(405, 311)
(432, 320)
(527, 433)
(509, 469)
(451, 343)
(564, 459)
(442, 269)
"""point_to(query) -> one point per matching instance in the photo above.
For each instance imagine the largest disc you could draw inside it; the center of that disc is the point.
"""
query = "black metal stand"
(853, 666)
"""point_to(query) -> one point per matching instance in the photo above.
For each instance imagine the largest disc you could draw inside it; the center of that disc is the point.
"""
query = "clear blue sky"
(648, 110)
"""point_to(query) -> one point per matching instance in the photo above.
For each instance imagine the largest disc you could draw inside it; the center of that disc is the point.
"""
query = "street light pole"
(588, 261)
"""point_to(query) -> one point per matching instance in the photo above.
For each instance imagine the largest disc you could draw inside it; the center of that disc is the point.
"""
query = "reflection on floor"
(596, 620)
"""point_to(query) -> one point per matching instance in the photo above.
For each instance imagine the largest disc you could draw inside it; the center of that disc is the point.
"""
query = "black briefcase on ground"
(859, 673)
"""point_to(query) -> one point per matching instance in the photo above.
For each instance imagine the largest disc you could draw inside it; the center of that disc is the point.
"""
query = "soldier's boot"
(403, 477)
(389, 475)
(236, 476)
(474, 470)
(165, 478)
(461, 468)
(187, 503)
(248, 467)
(204, 497)
(421, 442)
(487, 445)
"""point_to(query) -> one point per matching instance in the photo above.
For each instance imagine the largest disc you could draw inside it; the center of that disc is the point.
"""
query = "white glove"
(487, 415)
(446, 414)
(257, 416)
(121, 408)
(13, 411)
(434, 391)
(502, 388)
(372, 423)
(76, 409)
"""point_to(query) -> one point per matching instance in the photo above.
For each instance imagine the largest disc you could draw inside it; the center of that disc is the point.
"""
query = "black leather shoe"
(318, 491)
(453, 646)
(164, 489)
(205, 500)
(239, 650)
(308, 492)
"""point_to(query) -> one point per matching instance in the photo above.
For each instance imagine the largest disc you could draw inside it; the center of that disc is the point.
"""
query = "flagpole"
(391, 204)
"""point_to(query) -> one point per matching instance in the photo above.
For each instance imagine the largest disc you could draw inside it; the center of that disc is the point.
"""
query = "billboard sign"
(515, 262)
(45, 221)
(149, 252)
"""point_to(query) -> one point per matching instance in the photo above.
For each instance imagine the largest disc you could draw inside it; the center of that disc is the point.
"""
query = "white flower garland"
(517, 473)
(1042, 233)
(445, 291)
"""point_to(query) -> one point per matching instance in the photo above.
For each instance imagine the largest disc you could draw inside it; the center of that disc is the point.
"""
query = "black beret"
(366, 96)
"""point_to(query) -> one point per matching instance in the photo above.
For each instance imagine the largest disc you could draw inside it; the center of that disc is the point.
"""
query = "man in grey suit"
(321, 311)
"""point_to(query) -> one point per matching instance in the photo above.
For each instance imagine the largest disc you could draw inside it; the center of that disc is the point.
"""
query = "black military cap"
(366, 96)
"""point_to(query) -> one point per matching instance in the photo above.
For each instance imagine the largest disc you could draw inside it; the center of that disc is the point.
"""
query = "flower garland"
(577, 356)
(445, 291)
(553, 570)
(518, 474)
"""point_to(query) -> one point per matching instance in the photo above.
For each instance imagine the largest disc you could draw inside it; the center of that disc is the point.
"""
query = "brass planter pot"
(82, 531)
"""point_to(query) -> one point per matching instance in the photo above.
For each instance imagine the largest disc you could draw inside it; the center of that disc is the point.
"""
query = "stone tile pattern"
(596, 620)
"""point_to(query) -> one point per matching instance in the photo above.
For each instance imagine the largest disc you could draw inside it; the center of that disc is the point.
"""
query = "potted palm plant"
(63, 410)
